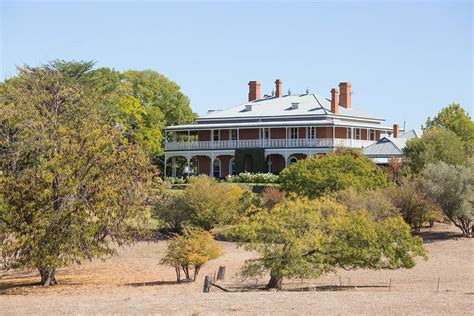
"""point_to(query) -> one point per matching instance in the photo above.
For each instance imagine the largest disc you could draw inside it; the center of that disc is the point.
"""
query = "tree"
(454, 118)
(452, 187)
(308, 238)
(415, 206)
(172, 212)
(436, 144)
(377, 203)
(316, 176)
(212, 203)
(193, 249)
(71, 187)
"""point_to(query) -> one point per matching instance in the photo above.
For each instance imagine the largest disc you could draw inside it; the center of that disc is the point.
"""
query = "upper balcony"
(268, 143)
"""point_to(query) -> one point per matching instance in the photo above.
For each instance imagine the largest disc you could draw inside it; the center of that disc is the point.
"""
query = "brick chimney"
(254, 90)
(278, 86)
(396, 130)
(334, 101)
(345, 99)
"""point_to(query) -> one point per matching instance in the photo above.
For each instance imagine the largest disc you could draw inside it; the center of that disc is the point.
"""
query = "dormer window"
(295, 105)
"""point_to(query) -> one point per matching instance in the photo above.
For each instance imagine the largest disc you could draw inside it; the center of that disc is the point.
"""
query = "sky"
(406, 60)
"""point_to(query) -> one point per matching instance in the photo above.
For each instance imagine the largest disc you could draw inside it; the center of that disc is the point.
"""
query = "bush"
(191, 250)
(172, 213)
(247, 177)
(377, 203)
(414, 205)
(333, 172)
(272, 196)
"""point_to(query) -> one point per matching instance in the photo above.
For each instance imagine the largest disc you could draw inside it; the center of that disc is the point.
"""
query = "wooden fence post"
(221, 273)
(207, 284)
(390, 285)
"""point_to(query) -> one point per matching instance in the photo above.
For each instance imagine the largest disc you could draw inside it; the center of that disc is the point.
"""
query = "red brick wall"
(324, 132)
(224, 134)
(363, 134)
(278, 163)
(377, 135)
(302, 132)
(248, 134)
(341, 132)
(204, 165)
(204, 135)
(278, 133)
(224, 165)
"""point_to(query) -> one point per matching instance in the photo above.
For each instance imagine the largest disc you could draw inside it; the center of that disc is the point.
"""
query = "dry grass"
(133, 282)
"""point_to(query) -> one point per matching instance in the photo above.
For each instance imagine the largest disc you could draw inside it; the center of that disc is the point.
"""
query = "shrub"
(414, 205)
(172, 213)
(272, 196)
(247, 177)
(192, 250)
(316, 176)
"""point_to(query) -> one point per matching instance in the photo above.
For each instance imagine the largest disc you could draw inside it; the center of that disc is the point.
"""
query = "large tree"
(70, 186)
(301, 238)
(454, 118)
(453, 188)
(436, 144)
(316, 176)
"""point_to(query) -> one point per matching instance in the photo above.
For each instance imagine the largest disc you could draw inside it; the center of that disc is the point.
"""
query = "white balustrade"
(268, 143)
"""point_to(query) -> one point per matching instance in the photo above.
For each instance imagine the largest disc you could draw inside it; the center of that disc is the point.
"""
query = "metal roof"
(389, 146)
(308, 104)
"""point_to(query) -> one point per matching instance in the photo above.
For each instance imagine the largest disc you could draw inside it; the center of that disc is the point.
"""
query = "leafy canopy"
(436, 144)
(316, 176)
(70, 185)
(452, 187)
(307, 238)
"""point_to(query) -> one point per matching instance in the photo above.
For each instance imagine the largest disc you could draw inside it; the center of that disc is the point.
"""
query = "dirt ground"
(134, 283)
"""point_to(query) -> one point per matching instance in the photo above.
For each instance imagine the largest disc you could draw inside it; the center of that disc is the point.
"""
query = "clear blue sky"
(406, 60)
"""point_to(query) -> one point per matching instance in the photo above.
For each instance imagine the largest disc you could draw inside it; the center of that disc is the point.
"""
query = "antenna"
(307, 90)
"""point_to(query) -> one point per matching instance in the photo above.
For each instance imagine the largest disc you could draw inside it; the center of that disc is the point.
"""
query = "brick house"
(270, 132)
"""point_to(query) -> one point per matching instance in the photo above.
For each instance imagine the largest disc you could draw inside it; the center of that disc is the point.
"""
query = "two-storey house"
(268, 133)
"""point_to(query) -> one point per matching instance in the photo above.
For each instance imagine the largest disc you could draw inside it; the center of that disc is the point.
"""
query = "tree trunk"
(178, 274)
(48, 276)
(196, 272)
(186, 271)
(275, 282)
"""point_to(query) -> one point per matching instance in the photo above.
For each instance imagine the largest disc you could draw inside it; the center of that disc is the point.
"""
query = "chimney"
(254, 90)
(345, 99)
(278, 84)
(334, 101)
(396, 130)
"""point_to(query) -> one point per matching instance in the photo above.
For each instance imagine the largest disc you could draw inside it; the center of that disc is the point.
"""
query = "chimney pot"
(278, 87)
(396, 130)
(334, 101)
(345, 99)
(254, 90)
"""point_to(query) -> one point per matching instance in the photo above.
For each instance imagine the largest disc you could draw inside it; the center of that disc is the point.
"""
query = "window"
(265, 133)
(217, 168)
(372, 134)
(311, 132)
(292, 160)
(349, 133)
(216, 134)
(357, 133)
(233, 134)
(294, 133)
(232, 166)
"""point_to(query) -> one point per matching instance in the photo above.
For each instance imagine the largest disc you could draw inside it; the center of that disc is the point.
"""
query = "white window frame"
(232, 170)
(349, 133)
(311, 132)
(292, 134)
(231, 136)
(218, 135)
(357, 133)
(292, 160)
(219, 166)
(372, 135)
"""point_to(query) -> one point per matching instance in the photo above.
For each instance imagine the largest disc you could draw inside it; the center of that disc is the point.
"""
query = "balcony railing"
(268, 143)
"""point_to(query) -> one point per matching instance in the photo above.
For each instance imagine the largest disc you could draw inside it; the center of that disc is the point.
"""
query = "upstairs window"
(216, 135)
(372, 134)
(357, 133)
(233, 134)
(349, 133)
(312, 132)
(293, 133)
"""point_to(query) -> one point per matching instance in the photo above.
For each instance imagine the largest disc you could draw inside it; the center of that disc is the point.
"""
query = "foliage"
(415, 206)
(452, 187)
(212, 203)
(316, 176)
(172, 180)
(247, 177)
(377, 203)
(454, 118)
(70, 187)
(436, 144)
(193, 249)
(172, 212)
(271, 196)
(308, 238)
